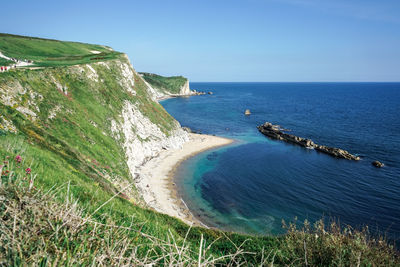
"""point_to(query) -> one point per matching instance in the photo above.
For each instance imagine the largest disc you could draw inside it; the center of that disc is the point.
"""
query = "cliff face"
(103, 113)
(161, 86)
(185, 89)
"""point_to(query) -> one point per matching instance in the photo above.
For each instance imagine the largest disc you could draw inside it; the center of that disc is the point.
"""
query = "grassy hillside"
(5, 62)
(45, 52)
(170, 85)
(67, 196)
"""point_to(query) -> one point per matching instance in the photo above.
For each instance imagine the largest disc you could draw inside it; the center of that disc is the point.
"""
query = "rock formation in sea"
(378, 164)
(276, 132)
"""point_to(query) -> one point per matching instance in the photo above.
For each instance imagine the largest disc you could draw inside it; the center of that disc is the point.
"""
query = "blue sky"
(253, 40)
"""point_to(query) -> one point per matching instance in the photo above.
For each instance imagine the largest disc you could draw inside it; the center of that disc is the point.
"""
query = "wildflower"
(28, 170)
(18, 159)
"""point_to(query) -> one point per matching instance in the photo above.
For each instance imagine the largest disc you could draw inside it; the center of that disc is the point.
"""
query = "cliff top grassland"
(47, 53)
(171, 84)
(5, 62)
(67, 196)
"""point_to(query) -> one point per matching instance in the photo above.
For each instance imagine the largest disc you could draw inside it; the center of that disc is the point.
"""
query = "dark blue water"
(253, 184)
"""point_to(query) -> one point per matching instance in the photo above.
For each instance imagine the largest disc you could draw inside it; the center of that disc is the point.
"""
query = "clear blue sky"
(236, 40)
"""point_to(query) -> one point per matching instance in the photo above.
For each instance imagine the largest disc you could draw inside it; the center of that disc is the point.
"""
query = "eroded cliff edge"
(102, 117)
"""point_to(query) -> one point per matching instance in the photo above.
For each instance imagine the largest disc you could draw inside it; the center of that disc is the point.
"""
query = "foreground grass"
(37, 229)
(52, 227)
(167, 84)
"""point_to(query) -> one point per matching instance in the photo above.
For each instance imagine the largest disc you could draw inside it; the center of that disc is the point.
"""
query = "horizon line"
(294, 81)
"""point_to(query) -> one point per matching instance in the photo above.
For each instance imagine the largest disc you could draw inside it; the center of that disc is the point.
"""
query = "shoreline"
(165, 97)
(157, 183)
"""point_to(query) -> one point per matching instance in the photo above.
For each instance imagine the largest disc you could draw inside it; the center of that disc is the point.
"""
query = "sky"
(231, 41)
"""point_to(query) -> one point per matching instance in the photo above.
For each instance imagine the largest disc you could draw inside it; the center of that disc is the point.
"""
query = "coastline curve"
(156, 183)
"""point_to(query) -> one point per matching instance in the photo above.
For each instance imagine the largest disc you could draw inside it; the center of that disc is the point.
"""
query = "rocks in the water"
(378, 164)
(276, 132)
(194, 92)
(187, 129)
(247, 112)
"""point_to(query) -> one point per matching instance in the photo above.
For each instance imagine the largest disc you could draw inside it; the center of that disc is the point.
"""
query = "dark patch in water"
(212, 156)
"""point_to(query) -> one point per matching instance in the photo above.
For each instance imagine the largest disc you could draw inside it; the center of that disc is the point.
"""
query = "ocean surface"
(254, 184)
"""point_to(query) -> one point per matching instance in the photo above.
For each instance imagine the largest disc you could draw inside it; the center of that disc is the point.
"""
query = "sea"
(256, 183)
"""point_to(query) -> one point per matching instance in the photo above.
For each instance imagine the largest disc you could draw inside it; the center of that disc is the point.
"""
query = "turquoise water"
(253, 184)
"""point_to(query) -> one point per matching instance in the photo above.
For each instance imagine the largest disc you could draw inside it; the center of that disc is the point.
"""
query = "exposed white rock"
(7, 125)
(93, 123)
(92, 74)
(108, 48)
(185, 89)
(27, 112)
(154, 93)
(53, 112)
(128, 76)
(143, 139)
(59, 86)
(101, 63)
(11, 95)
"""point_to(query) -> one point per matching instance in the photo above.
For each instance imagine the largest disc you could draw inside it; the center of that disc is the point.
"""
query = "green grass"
(74, 157)
(5, 62)
(171, 85)
(48, 53)
(57, 226)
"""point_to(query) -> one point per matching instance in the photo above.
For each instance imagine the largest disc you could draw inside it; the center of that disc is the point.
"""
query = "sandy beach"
(156, 176)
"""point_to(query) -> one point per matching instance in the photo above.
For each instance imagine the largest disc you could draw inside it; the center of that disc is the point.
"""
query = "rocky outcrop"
(277, 133)
(378, 164)
(187, 129)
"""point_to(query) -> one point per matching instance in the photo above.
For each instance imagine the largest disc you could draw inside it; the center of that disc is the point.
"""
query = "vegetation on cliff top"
(166, 84)
(5, 62)
(47, 53)
(59, 199)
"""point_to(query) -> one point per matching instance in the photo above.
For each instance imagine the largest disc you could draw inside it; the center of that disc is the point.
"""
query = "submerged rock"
(276, 132)
(378, 164)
